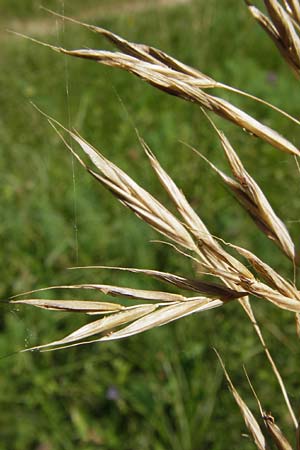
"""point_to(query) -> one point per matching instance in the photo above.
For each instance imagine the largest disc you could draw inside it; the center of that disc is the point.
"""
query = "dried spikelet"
(175, 78)
(153, 55)
(103, 325)
(143, 318)
(266, 292)
(114, 291)
(194, 285)
(212, 253)
(250, 421)
(270, 275)
(143, 204)
(293, 8)
(259, 289)
(166, 315)
(273, 279)
(276, 434)
(285, 28)
(252, 198)
(188, 89)
(282, 27)
(83, 306)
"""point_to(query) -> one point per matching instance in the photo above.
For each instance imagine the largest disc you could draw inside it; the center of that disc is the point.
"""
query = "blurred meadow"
(163, 389)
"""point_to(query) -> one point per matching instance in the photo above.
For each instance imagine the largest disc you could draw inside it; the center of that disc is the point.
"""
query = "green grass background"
(167, 385)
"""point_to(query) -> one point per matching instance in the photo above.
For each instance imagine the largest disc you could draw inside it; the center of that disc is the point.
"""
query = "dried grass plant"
(186, 231)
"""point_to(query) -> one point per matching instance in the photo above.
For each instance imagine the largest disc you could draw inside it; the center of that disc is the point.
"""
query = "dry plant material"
(276, 434)
(252, 198)
(293, 8)
(141, 317)
(282, 26)
(250, 421)
(176, 78)
(218, 262)
(86, 306)
(187, 89)
(191, 234)
(188, 231)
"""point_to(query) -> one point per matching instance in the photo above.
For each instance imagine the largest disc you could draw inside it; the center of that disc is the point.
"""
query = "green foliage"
(163, 389)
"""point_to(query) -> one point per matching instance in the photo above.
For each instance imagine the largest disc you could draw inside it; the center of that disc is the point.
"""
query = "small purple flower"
(271, 77)
(112, 393)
